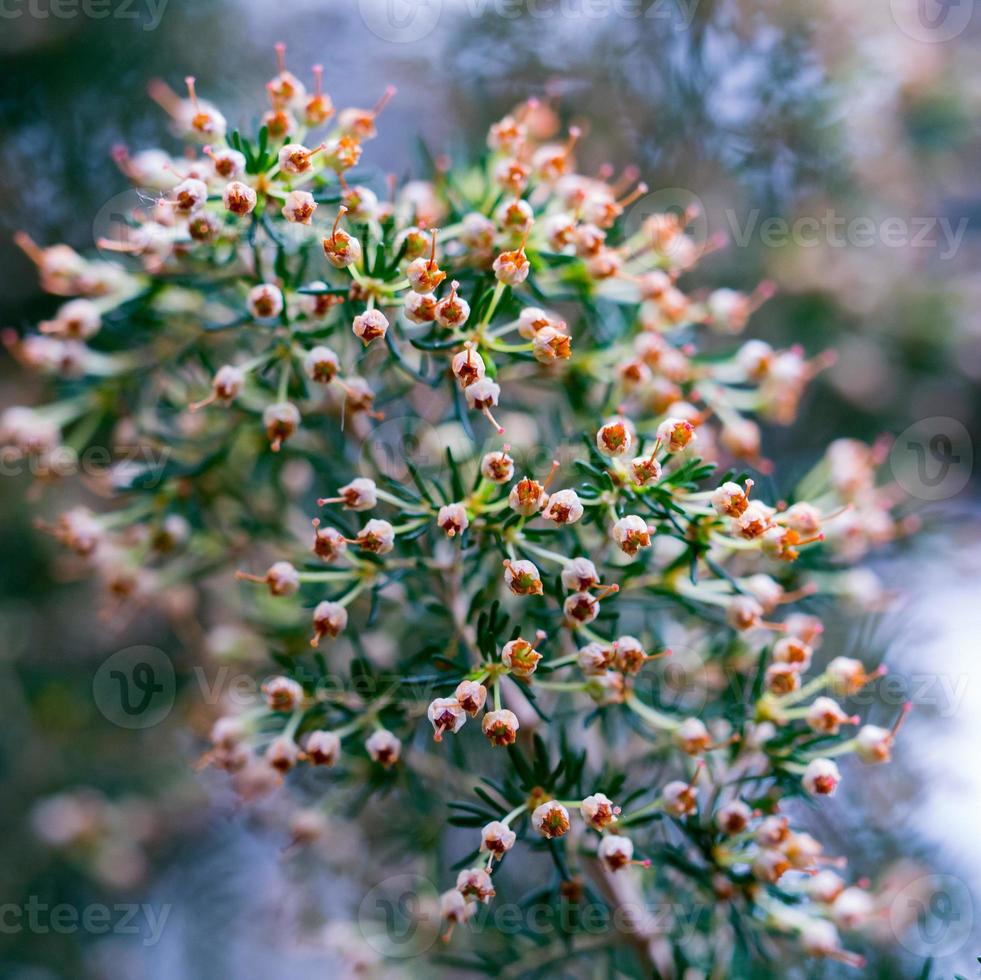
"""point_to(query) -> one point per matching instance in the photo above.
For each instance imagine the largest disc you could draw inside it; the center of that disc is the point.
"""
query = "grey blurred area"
(859, 119)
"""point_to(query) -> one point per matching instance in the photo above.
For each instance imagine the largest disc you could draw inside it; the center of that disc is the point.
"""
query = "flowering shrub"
(587, 509)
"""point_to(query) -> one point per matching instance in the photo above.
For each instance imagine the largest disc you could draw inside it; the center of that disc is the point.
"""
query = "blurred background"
(834, 144)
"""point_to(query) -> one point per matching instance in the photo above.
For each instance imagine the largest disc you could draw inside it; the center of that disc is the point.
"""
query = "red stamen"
(384, 100)
(196, 406)
(639, 191)
(903, 714)
(629, 175)
(493, 421)
(341, 211)
(29, 247)
(192, 93)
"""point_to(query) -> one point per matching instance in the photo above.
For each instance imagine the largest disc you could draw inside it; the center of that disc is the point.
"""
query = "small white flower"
(512, 267)
(598, 811)
(477, 232)
(265, 301)
(445, 715)
(821, 777)
(645, 469)
(692, 736)
(615, 437)
(190, 195)
(419, 307)
(772, 831)
(483, 395)
(515, 215)
(734, 817)
(826, 716)
(453, 907)
(743, 612)
(78, 319)
(581, 608)
(281, 420)
(294, 158)
(527, 497)
(793, 651)
(452, 311)
(781, 679)
(825, 886)
(520, 657)
(360, 494)
(228, 732)
(383, 747)
(532, 319)
(282, 754)
(500, 727)
(631, 533)
(770, 865)
(283, 579)
(675, 434)
(475, 883)
(551, 819)
(579, 574)
(846, 675)
(730, 500)
(239, 198)
(563, 507)
(470, 695)
(227, 162)
(453, 519)
(497, 838)
(322, 748)
(852, 908)
(497, 467)
(369, 326)
(377, 536)
(550, 345)
(616, 852)
(818, 937)
(299, 207)
(282, 693)
(467, 366)
(522, 577)
(328, 543)
(680, 798)
(629, 654)
(321, 364)
(874, 744)
(329, 619)
(594, 659)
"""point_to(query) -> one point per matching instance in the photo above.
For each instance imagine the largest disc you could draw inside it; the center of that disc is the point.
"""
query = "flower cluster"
(271, 303)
